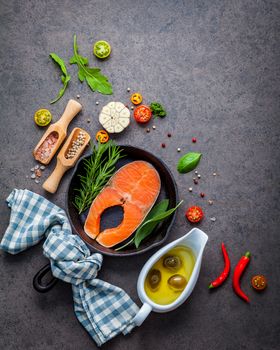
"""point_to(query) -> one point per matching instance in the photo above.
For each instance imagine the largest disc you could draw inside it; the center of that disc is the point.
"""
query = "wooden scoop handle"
(72, 109)
(53, 180)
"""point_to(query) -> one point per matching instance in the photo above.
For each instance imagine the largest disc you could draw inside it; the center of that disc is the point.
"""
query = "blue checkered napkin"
(103, 309)
(32, 217)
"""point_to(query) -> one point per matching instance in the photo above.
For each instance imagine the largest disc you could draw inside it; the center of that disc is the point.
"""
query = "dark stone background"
(215, 66)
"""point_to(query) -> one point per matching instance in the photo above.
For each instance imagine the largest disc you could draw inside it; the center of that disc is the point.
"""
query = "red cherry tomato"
(142, 114)
(194, 214)
(259, 282)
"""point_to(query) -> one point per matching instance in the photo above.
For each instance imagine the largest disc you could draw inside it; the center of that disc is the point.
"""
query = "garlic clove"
(119, 106)
(111, 105)
(124, 122)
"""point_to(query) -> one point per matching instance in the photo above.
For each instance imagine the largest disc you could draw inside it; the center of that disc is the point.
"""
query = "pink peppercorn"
(202, 194)
(194, 140)
(163, 145)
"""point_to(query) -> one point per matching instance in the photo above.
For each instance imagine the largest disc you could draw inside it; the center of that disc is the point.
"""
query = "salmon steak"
(135, 187)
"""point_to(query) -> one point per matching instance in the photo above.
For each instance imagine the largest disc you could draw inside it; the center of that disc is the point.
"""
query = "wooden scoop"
(56, 133)
(66, 159)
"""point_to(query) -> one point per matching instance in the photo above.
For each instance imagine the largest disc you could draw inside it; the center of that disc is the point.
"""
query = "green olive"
(172, 262)
(154, 278)
(177, 282)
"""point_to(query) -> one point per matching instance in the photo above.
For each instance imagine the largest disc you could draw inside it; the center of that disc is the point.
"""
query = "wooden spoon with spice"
(67, 157)
(56, 134)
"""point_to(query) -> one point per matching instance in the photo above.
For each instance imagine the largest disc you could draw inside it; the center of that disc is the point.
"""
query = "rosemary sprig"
(99, 167)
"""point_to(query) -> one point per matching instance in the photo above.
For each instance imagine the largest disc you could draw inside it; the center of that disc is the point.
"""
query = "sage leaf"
(188, 162)
(148, 226)
(157, 209)
(93, 76)
(65, 78)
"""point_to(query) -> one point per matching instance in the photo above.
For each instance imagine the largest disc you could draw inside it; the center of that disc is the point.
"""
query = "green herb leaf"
(95, 80)
(99, 168)
(148, 226)
(157, 209)
(157, 110)
(188, 162)
(65, 78)
(125, 245)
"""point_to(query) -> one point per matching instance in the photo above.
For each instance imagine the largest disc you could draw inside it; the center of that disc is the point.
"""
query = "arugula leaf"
(148, 226)
(157, 214)
(95, 80)
(65, 78)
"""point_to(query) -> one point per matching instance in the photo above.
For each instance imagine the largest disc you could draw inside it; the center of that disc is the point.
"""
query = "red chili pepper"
(238, 271)
(223, 276)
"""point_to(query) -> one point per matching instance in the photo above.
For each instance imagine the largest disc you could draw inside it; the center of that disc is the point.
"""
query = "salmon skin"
(135, 187)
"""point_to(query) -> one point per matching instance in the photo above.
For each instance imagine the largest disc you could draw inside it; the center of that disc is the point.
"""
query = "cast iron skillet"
(112, 217)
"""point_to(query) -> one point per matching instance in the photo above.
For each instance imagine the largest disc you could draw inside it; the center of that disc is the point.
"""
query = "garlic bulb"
(114, 117)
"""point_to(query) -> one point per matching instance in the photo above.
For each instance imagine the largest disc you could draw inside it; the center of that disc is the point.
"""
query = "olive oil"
(169, 275)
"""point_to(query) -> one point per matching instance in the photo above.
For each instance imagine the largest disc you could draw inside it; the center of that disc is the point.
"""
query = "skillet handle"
(37, 280)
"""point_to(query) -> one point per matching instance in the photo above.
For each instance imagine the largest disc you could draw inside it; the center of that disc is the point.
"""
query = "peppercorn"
(195, 181)
(202, 195)
(194, 140)
(163, 145)
(168, 135)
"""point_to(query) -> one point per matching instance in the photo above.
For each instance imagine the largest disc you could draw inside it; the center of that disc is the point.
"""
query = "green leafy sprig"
(65, 77)
(99, 167)
(158, 213)
(95, 80)
(157, 110)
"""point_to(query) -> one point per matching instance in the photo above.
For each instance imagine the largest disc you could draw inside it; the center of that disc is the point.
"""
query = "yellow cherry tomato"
(102, 136)
(136, 98)
(42, 117)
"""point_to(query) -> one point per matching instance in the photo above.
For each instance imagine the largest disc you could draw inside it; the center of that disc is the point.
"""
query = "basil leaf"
(65, 78)
(94, 78)
(148, 226)
(188, 162)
